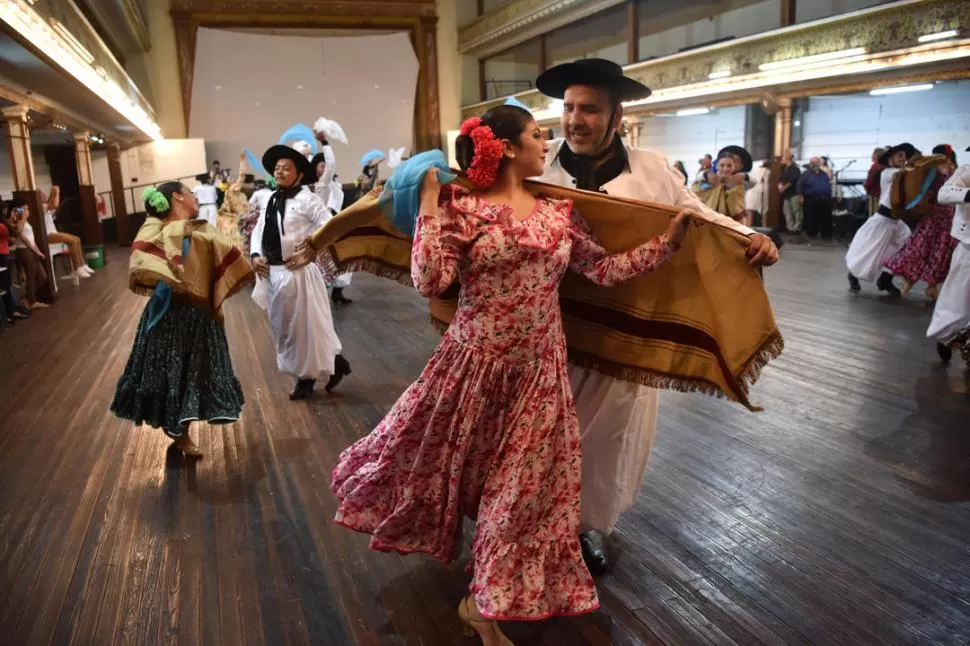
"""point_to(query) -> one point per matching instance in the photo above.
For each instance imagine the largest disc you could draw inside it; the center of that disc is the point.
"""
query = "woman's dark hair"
(505, 121)
(168, 189)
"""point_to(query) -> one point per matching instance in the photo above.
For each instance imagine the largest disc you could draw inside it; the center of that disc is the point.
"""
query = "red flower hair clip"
(487, 155)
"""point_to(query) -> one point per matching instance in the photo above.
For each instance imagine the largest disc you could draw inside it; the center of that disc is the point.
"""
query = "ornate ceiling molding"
(881, 30)
(519, 20)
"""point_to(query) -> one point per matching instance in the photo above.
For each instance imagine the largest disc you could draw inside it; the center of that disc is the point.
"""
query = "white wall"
(42, 174)
(689, 138)
(848, 127)
(467, 10)
(504, 71)
(471, 89)
(365, 83)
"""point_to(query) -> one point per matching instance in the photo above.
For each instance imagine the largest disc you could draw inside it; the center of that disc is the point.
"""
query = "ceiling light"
(901, 89)
(218, 87)
(815, 58)
(692, 112)
(797, 123)
(941, 35)
(719, 75)
(299, 87)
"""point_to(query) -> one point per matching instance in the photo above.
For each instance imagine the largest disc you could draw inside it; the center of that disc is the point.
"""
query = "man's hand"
(303, 256)
(762, 251)
(261, 267)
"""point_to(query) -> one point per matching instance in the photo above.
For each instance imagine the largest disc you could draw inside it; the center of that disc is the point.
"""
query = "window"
(671, 26)
(514, 70)
(603, 35)
(818, 9)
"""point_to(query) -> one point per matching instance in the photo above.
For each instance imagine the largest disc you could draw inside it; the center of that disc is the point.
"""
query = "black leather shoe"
(594, 553)
(945, 352)
(303, 389)
(885, 284)
(337, 296)
(341, 369)
(854, 283)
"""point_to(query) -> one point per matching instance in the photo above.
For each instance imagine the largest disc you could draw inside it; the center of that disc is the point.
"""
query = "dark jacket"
(873, 189)
(814, 183)
(790, 175)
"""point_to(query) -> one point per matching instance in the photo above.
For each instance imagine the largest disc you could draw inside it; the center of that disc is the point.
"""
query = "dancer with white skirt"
(295, 297)
(951, 316)
(207, 196)
(882, 236)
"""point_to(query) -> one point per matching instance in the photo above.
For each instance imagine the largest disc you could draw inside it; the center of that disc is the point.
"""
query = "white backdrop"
(249, 87)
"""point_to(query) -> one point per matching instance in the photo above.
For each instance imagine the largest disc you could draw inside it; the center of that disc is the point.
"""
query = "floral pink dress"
(489, 430)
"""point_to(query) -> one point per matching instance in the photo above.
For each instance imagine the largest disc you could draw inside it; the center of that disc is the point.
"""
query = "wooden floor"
(840, 515)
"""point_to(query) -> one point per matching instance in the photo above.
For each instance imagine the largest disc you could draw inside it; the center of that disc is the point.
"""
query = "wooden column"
(123, 221)
(25, 187)
(482, 84)
(91, 225)
(424, 38)
(633, 18)
(783, 127)
(788, 12)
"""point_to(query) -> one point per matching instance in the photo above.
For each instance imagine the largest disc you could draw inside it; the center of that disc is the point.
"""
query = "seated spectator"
(11, 308)
(73, 243)
(28, 256)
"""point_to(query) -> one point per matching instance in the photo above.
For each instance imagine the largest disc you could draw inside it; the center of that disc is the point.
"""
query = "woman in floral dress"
(926, 254)
(489, 430)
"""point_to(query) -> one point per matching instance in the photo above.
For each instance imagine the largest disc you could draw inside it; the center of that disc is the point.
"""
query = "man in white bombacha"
(207, 196)
(295, 297)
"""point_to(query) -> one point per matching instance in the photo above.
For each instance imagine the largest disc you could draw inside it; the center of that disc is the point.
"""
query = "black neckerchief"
(273, 229)
(583, 168)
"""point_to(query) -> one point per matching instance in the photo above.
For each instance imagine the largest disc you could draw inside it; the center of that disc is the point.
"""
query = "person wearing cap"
(882, 235)
(926, 254)
(951, 315)
(617, 418)
(293, 295)
(332, 195)
(207, 196)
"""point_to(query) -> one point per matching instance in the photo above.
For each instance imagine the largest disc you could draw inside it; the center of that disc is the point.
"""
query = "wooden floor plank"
(838, 515)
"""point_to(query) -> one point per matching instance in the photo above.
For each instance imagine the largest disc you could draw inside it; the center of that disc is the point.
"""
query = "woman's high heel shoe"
(473, 622)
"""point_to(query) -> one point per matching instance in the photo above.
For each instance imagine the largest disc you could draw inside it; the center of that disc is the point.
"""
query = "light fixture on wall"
(940, 35)
(719, 75)
(813, 59)
(901, 89)
(692, 112)
(58, 47)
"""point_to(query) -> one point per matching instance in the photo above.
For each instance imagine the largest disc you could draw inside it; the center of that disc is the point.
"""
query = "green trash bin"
(94, 255)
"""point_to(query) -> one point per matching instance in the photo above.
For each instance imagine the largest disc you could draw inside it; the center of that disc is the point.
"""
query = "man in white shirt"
(951, 315)
(617, 418)
(207, 196)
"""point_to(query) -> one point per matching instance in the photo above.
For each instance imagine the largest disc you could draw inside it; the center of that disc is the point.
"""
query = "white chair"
(59, 250)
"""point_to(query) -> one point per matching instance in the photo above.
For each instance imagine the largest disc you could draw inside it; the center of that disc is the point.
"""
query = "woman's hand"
(677, 229)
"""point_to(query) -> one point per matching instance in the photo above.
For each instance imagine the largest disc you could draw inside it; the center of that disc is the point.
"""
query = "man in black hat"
(882, 235)
(295, 295)
(617, 418)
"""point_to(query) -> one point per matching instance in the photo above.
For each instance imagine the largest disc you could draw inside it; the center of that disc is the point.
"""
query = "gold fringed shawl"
(726, 201)
(700, 322)
(214, 270)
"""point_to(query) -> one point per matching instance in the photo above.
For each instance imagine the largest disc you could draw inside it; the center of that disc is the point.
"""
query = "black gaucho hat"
(908, 148)
(746, 162)
(597, 72)
(279, 151)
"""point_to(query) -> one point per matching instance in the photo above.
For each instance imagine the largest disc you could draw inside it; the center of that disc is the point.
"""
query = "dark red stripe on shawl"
(226, 263)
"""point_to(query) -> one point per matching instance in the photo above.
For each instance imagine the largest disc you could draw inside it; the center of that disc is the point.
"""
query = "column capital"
(85, 136)
(15, 112)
